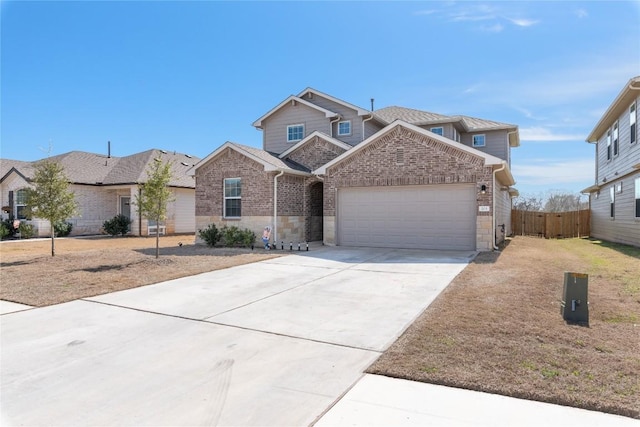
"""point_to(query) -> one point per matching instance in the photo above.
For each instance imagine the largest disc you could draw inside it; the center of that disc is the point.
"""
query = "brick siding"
(315, 153)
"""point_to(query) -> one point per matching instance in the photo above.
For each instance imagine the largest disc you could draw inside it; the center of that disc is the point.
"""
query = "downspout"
(493, 207)
(139, 213)
(331, 122)
(275, 206)
(365, 120)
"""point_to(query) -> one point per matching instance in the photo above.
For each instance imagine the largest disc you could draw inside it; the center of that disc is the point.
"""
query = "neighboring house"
(615, 196)
(333, 172)
(105, 186)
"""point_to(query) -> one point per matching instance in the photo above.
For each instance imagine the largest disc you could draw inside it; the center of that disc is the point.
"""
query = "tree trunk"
(157, 239)
(53, 239)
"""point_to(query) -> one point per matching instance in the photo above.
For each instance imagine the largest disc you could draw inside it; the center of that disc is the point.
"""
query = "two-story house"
(615, 196)
(331, 171)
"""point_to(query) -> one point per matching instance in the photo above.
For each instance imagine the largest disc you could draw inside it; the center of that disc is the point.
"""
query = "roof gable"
(269, 161)
(310, 137)
(488, 159)
(358, 110)
(293, 99)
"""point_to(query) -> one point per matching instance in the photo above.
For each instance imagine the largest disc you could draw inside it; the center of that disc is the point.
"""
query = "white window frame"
(616, 139)
(473, 140)
(340, 133)
(612, 202)
(225, 198)
(609, 144)
(18, 203)
(433, 129)
(299, 125)
(637, 199)
(633, 126)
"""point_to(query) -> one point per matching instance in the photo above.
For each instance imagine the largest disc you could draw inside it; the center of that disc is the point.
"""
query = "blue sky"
(188, 76)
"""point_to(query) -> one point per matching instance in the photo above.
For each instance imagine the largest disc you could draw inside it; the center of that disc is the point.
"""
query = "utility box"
(575, 305)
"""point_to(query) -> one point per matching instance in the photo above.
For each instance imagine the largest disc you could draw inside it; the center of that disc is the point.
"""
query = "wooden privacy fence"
(551, 225)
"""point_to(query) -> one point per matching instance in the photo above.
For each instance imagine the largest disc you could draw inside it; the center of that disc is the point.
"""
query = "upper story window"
(344, 128)
(478, 141)
(438, 130)
(615, 139)
(232, 198)
(21, 204)
(609, 144)
(632, 122)
(295, 133)
(456, 135)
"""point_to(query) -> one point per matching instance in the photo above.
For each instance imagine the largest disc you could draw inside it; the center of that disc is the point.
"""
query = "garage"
(185, 211)
(417, 216)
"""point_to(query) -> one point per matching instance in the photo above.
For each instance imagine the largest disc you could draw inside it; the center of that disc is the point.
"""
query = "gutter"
(275, 206)
(331, 122)
(365, 120)
(493, 190)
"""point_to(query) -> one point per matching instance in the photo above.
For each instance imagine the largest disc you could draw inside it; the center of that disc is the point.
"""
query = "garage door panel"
(427, 217)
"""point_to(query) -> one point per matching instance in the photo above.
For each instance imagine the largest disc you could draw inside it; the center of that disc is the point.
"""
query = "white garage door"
(424, 216)
(185, 211)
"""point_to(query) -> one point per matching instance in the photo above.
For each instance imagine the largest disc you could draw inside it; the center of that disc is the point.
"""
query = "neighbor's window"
(615, 139)
(344, 128)
(295, 133)
(609, 144)
(612, 205)
(439, 130)
(232, 198)
(632, 122)
(21, 204)
(478, 140)
(637, 197)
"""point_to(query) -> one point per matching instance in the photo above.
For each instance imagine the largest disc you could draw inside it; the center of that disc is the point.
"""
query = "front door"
(125, 207)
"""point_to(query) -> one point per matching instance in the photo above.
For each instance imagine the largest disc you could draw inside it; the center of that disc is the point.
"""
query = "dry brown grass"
(95, 266)
(497, 328)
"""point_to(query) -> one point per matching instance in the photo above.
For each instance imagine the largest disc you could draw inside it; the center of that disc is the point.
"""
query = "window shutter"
(11, 204)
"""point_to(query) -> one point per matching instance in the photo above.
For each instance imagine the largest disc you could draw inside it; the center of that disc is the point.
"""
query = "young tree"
(50, 197)
(155, 195)
(528, 202)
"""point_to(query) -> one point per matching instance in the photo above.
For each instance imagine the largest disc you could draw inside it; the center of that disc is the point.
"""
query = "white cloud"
(554, 172)
(541, 134)
(581, 13)
(522, 22)
(495, 28)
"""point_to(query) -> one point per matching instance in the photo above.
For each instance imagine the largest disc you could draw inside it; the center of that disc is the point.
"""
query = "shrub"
(234, 236)
(8, 225)
(62, 228)
(211, 235)
(4, 231)
(119, 224)
(26, 230)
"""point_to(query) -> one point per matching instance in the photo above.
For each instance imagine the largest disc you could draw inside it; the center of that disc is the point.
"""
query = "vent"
(163, 151)
(185, 164)
(187, 156)
(400, 156)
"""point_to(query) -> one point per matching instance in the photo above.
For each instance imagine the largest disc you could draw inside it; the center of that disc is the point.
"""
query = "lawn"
(497, 328)
(94, 266)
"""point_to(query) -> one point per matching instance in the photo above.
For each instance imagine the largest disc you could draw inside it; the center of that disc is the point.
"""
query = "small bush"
(234, 236)
(119, 224)
(11, 231)
(211, 235)
(62, 228)
(4, 231)
(26, 230)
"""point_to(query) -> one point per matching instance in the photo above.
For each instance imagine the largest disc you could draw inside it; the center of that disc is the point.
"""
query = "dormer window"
(295, 133)
(344, 128)
(478, 141)
(438, 130)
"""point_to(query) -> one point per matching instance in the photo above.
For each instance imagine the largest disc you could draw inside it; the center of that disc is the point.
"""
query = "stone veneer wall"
(404, 157)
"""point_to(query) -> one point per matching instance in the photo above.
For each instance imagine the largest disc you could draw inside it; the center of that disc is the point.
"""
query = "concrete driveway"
(272, 343)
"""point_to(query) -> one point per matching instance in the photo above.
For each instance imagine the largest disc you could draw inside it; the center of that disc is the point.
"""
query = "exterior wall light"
(483, 189)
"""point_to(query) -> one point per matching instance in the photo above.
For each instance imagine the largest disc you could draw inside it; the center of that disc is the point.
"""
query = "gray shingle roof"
(89, 168)
(418, 117)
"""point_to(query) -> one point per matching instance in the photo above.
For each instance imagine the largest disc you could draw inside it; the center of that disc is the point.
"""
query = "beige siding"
(496, 143)
(628, 154)
(503, 214)
(345, 114)
(624, 228)
(275, 127)
(371, 127)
